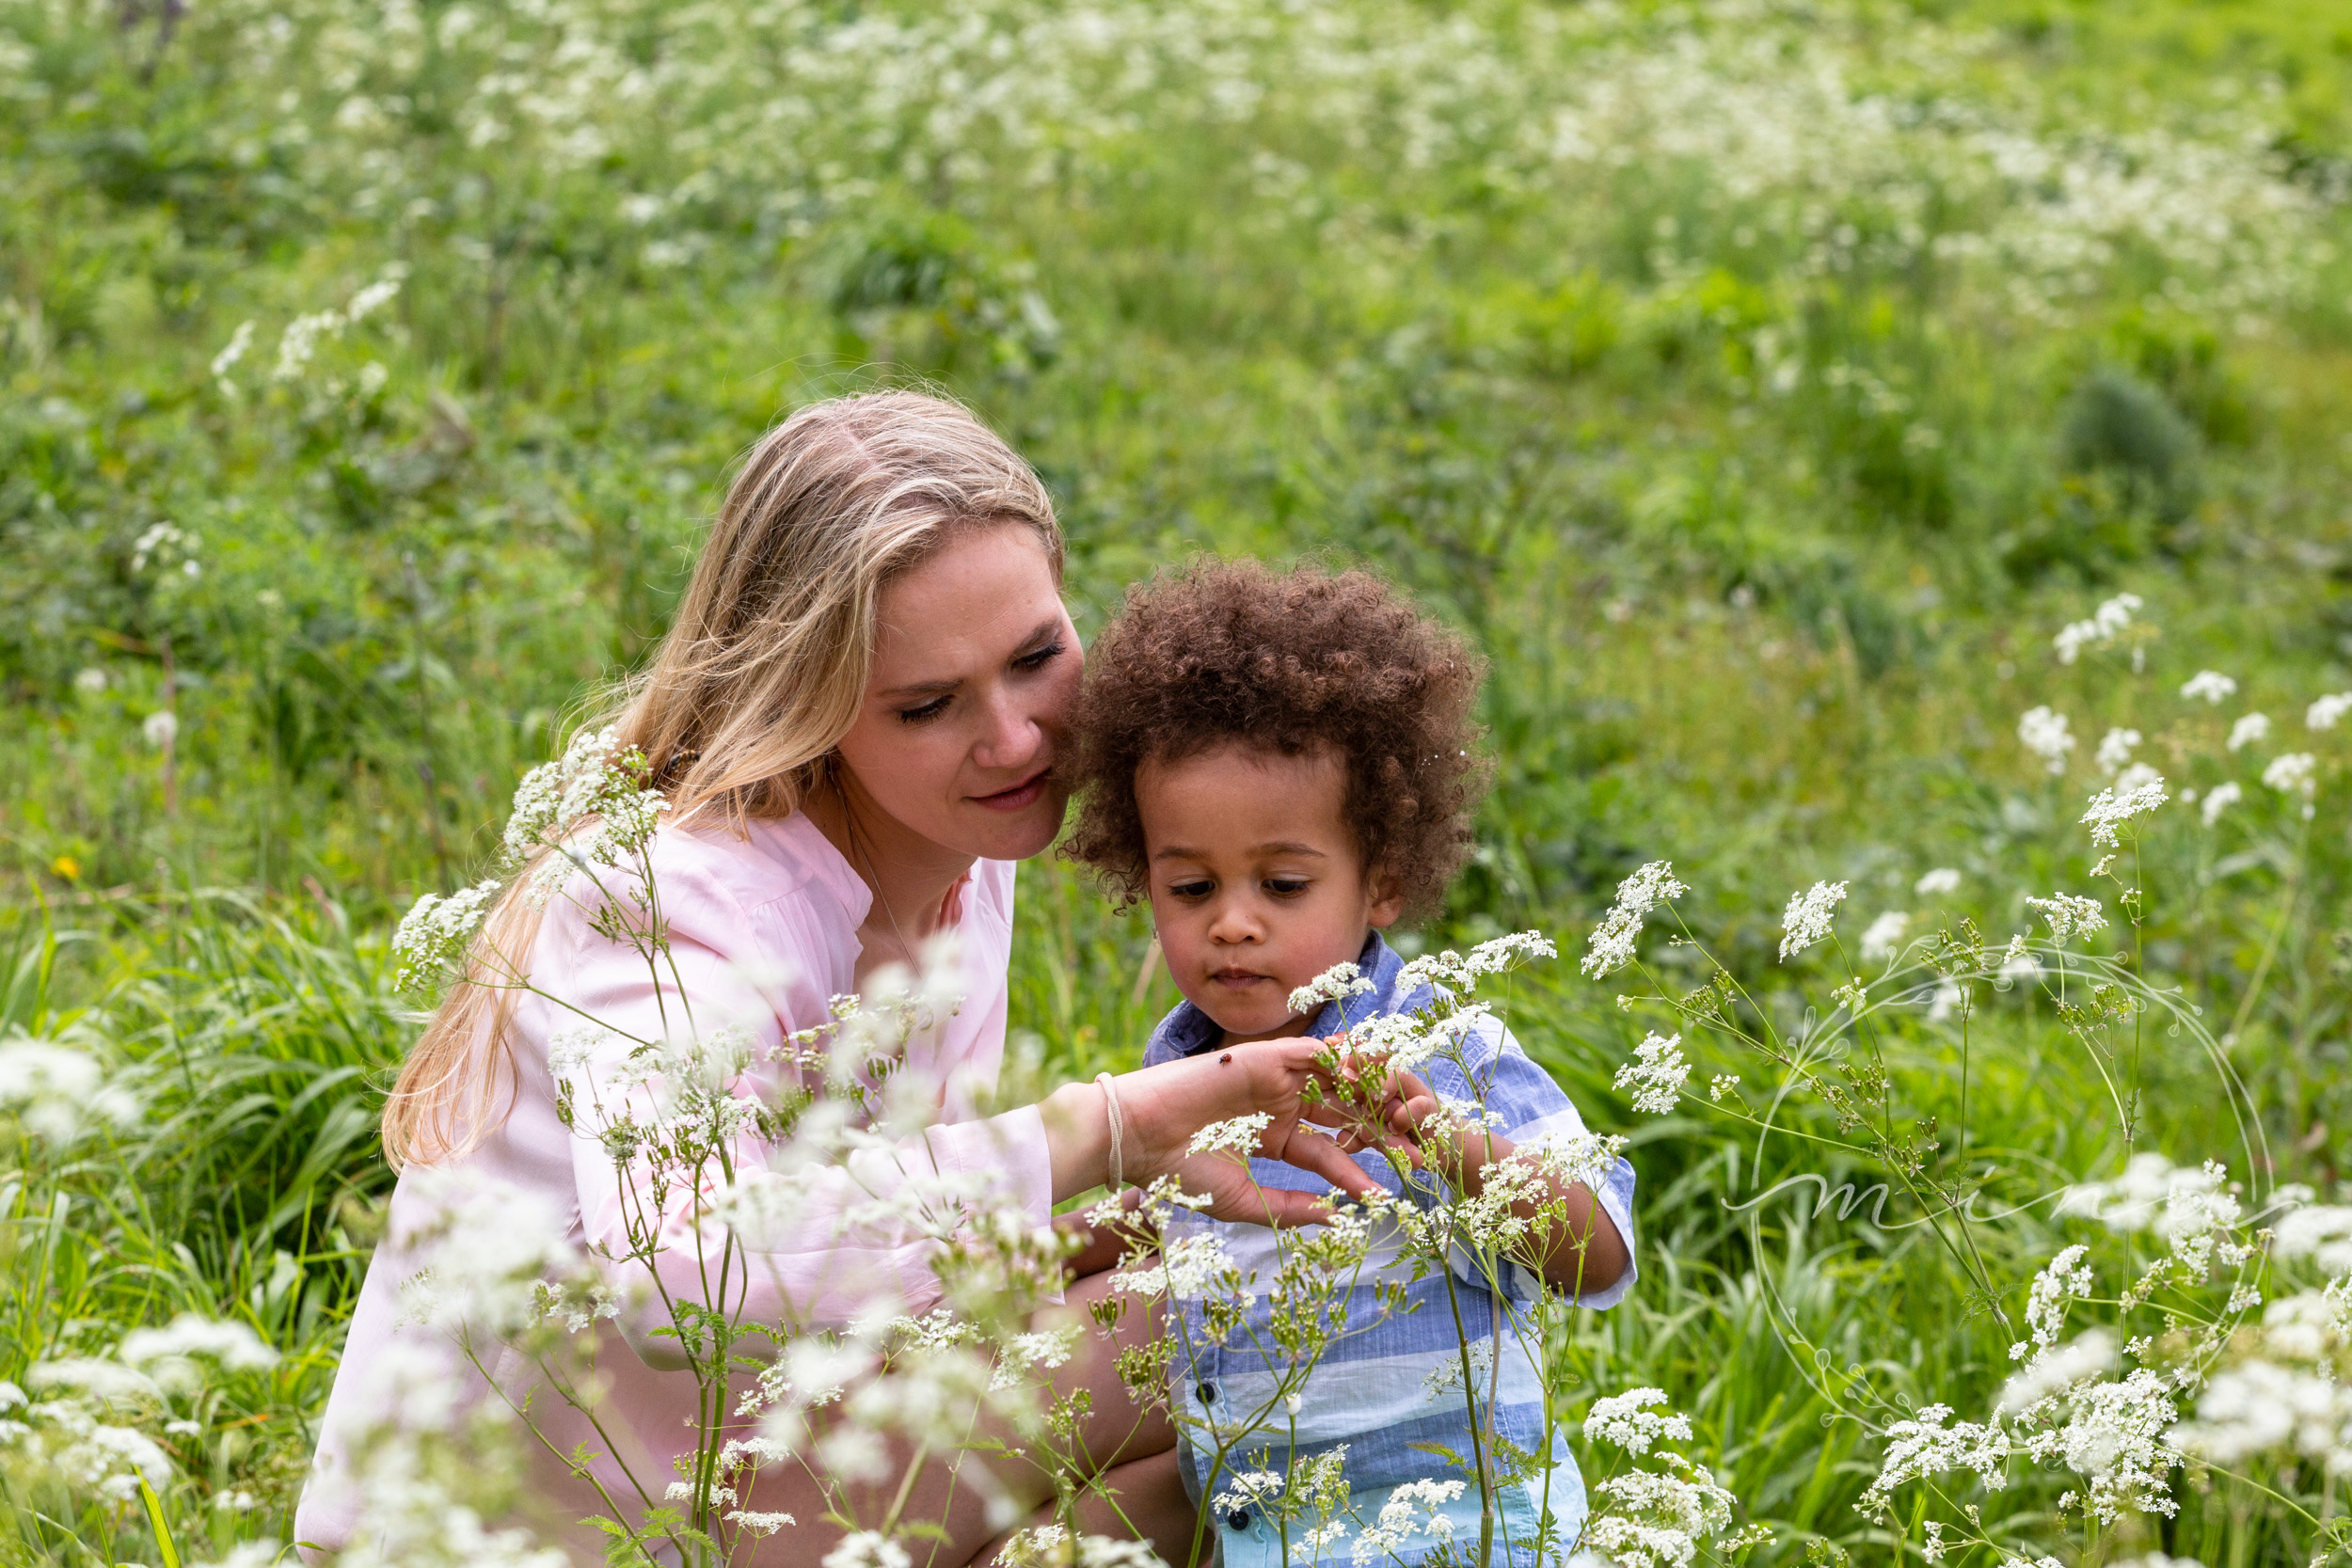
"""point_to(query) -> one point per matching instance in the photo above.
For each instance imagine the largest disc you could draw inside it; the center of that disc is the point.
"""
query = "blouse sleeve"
(832, 1238)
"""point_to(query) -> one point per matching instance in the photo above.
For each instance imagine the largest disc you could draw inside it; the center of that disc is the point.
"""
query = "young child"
(1280, 764)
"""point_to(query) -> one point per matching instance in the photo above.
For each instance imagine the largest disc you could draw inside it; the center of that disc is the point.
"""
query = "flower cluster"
(1612, 941)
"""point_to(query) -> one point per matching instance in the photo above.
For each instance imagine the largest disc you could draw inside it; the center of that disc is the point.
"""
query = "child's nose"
(1234, 923)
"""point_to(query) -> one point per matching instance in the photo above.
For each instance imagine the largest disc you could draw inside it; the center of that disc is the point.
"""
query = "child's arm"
(1586, 1253)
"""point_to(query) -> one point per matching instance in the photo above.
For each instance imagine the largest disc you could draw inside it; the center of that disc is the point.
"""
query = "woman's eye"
(929, 710)
(1039, 659)
(1286, 887)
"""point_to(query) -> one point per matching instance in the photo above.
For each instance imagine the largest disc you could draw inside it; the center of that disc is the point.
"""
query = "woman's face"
(976, 666)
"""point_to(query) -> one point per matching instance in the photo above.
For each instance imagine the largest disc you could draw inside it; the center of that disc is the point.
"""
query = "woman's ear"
(1387, 901)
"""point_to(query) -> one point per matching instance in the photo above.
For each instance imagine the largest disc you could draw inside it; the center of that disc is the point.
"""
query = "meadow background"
(1763, 386)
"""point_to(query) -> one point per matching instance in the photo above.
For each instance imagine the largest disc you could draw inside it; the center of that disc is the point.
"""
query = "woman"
(854, 720)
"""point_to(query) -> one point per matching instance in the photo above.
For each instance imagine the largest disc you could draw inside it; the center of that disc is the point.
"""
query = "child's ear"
(1387, 901)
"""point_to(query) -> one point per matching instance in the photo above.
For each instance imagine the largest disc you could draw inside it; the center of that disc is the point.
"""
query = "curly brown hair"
(1293, 663)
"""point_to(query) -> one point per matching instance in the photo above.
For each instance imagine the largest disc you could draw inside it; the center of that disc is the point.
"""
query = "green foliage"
(1762, 388)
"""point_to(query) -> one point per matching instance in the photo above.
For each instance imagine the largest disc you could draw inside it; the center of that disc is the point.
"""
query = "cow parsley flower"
(2212, 685)
(60, 1094)
(1806, 919)
(2070, 916)
(1655, 1075)
(1626, 1421)
(2111, 808)
(590, 806)
(1937, 883)
(1335, 984)
(2250, 728)
(432, 937)
(867, 1548)
(2220, 797)
(1238, 1134)
(1462, 972)
(2105, 624)
(2294, 773)
(2043, 731)
(2115, 750)
(1637, 896)
(2325, 712)
(1884, 937)
(1921, 1449)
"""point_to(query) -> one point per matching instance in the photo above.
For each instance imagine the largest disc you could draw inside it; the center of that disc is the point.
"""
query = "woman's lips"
(1020, 796)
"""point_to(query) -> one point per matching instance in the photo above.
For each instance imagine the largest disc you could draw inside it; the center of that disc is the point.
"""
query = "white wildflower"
(2070, 916)
(760, 1524)
(1637, 896)
(2063, 1279)
(2322, 1232)
(161, 728)
(1806, 920)
(1336, 983)
(433, 936)
(57, 1093)
(2105, 624)
(2220, 797)
(2250, 728)
(2260, 1408)
(1650, 1520)
(1937, 883)
(1922, 1449)
(1884, 937)
(1626, 1421)
(2188, 1207)
(169, 1355)
(2292, 773)
(2327, 711)
(1655, 1075)
(226, 360)
(2212, 685)
(1463, 971)
(2056, 1371)
(2115, 750)
(2043, 732)
(2111, 808)
(867, 1548)
(1237, 1134)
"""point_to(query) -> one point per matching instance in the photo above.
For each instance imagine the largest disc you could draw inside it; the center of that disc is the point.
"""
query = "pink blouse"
(763, 930)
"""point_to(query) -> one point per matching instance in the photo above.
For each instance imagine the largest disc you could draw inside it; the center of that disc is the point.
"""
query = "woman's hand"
(1164, 1106)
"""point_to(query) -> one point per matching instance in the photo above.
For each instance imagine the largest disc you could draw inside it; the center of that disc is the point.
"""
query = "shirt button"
(1207, 1392)
(1238, 1519)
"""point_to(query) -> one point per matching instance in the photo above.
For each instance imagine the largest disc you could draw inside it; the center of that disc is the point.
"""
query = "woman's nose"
(1010, 735)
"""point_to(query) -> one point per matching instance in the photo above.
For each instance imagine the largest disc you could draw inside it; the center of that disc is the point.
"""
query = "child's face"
(1256, 886)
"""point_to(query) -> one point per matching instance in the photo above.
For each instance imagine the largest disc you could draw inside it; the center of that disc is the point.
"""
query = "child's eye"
(924, 713)
(1286, 887)
(1196, 887)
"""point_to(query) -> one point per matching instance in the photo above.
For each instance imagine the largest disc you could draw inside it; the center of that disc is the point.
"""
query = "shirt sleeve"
(1533, 1111)
(829, 1239)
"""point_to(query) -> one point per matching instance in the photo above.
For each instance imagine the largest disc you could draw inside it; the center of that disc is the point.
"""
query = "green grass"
(1763, 504)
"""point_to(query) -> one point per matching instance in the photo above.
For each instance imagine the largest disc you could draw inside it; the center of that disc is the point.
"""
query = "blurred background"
(1764, 385)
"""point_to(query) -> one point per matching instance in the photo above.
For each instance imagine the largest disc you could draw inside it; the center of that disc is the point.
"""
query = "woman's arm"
(1162, 1107)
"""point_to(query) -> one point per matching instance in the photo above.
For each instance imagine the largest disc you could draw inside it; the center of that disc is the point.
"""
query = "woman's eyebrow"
(1045, 629)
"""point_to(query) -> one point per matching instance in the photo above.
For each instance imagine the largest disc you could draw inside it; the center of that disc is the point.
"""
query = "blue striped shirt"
(1393, 1380)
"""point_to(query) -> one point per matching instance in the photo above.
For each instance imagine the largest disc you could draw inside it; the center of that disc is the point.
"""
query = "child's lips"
(1236, 978)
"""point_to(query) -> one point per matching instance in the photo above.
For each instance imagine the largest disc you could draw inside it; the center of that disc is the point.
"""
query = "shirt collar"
(1187, 1031)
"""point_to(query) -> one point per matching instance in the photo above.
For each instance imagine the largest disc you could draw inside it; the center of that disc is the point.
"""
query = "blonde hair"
(756, 682)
